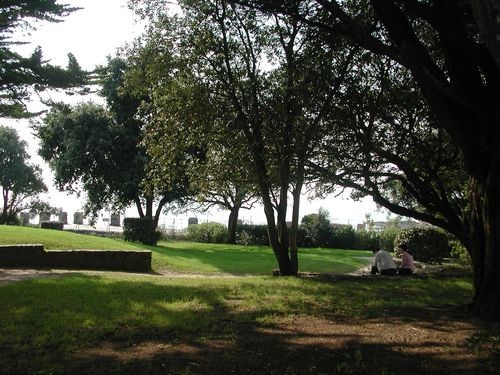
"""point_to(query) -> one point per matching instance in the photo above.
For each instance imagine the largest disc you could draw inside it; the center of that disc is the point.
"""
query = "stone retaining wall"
(25, 256)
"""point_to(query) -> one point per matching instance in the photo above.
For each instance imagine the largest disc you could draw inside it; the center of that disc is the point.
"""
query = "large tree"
(98, 149)
(19, 179)
(21, 76)
(451, 49)
(260, 78)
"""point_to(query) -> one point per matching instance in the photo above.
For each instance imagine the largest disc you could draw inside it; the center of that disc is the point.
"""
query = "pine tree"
(19, 75)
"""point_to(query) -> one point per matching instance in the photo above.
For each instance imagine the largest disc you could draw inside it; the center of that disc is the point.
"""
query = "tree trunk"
(139, 207)
(484, 230)
(232, 224)
(5, 194)
(294, 228)
(149, 207)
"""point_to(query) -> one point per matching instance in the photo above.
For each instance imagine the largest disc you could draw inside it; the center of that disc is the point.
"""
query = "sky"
(92, 34)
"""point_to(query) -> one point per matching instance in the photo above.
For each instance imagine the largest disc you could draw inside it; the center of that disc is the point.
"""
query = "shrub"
(457, 250)
(247, 234)
(9, 219)
(207, 232)
(387, 238)
(317, 229)
(425, 244)
(341, 237)
(366, 240)
(140, 230)
(56, 225)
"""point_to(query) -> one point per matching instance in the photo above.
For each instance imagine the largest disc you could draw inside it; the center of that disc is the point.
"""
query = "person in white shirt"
(383, 263)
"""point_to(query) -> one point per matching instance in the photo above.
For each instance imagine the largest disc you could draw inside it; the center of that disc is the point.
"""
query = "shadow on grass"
(261, 325)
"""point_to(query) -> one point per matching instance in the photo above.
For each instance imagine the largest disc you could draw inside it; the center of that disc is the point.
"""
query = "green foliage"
(140, 230)
(19, 179)
(248, 234)
(207, 232)
(319, 232)
(367, 240)
(342, 237)
(317, 228)
(458, 251)
(20, 75)
(425, 244)
(387, 238)
(9, 219)
(98, 149)
(56, 225)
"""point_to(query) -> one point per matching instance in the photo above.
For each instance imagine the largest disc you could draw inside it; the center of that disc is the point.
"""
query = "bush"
(366, 240)
(341, 237)
(457, 250)
(318, 231)
(56, 225)
(247, 234)
(425, 244)
(207, 232)
(9, 219)
(387, 238)
(140, 230)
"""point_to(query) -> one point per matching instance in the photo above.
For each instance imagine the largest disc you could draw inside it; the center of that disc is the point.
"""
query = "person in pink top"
(407, 265)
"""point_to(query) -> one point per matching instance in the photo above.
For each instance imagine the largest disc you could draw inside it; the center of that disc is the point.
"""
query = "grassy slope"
(194, 257)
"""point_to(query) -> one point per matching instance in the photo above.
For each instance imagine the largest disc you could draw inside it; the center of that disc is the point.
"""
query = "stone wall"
(27, 256)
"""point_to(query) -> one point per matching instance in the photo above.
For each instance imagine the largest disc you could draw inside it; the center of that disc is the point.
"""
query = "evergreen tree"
(19, 75)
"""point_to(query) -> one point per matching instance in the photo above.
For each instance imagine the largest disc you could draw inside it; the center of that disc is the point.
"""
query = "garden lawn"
(112, 323)
(193, 257)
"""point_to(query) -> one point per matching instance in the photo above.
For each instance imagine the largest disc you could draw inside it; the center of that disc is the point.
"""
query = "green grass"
(60, 240)
(195, 257)
(48, 319)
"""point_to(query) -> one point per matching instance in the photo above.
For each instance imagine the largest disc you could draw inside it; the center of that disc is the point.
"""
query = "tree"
(275, 112)
(223, 184)
(100, 149)
(451, 50)
(317, 228)
(19, 180)
(20, 75)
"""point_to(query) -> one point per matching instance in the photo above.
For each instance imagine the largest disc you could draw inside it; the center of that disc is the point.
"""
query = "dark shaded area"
(224, 338)
(36, 256)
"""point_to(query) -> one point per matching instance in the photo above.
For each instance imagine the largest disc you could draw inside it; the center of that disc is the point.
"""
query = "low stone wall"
(25, 256)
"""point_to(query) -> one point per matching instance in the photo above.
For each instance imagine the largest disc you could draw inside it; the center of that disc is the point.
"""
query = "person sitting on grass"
(407, 265)
(383, 263)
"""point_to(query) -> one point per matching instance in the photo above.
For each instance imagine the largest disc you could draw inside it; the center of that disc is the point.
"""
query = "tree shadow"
(100, 325)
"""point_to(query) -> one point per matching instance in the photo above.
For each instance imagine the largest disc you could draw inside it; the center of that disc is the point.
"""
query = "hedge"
(207, 232)
(140, 230)
(425, 244)
(36, 256)
(56, 225)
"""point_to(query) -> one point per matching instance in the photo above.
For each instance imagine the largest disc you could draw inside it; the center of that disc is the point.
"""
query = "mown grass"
(195, 257)
(48, 319)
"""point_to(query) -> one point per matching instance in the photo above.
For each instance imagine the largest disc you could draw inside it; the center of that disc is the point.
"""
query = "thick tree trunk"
(5, 194)
(280, 248)
(484, 229)
(232, 224)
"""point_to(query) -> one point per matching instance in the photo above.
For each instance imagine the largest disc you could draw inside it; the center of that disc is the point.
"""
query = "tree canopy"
(100, 149)
(450, 50)
(21, 76)
(19, 179)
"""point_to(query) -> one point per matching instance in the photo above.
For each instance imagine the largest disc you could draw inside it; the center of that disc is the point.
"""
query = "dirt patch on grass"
(307, 345)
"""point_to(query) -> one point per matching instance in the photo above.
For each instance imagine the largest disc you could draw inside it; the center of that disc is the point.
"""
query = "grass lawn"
(113, 323)
(117, 323)
(195, 257)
